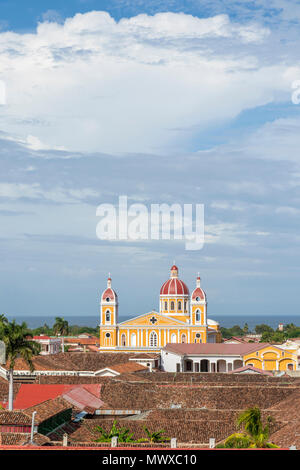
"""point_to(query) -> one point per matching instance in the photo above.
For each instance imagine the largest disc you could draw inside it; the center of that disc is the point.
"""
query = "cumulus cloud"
(145, 83)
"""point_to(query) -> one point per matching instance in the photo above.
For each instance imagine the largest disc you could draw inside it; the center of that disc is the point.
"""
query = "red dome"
(198, 292)
(174, 267)
(110, 294)
(174, 287)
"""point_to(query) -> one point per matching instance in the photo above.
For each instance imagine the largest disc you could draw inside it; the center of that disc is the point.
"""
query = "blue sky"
(165, 102)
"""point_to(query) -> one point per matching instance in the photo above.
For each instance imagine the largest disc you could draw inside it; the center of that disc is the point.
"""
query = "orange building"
(182, 318)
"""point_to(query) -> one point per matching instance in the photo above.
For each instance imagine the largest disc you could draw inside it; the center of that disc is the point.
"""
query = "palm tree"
(123, 434)
(61, 327)
(17, 345)
(253, 425)
(3, 322)
(255, 434)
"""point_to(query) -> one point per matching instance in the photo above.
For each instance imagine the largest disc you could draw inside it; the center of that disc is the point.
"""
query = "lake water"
(226, 321)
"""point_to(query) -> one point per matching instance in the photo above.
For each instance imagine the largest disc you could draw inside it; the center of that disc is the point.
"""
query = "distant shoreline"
(226, 321)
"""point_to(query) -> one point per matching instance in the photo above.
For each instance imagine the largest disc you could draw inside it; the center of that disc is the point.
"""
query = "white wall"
(169, 361)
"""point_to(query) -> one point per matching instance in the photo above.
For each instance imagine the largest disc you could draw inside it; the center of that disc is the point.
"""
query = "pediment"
(152, 319)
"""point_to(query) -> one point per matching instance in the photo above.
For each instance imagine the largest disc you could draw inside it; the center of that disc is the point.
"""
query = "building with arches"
(225, 357)
(182, 318)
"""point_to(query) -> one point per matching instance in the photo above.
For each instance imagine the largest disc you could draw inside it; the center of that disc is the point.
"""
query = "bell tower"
(108, 316)
(198, 305)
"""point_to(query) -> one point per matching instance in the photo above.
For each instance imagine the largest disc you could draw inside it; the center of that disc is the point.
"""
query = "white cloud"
(35, 191)
(135, 85)
(34, 143)
(293, 211)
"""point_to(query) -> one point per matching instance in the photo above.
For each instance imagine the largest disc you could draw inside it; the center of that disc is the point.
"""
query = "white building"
(49, 345)
(216, 357)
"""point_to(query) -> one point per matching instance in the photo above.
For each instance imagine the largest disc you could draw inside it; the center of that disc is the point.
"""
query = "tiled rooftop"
(15, 438)
(48, 409)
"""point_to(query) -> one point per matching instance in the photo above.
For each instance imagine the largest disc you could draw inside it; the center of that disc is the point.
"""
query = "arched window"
(166, 305)
(198, 315)
(183, 338)
(123, 339)
(107, 316)
(172, 306)
(185, 305)
(153, 339)
(173, 338)
(133, 339)
(179, 305)
(107, 299)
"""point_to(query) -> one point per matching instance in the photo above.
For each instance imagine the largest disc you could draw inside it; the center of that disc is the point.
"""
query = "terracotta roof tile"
(213, 348)
(128, 367)
(14, 418)
(17, 438)
(33, 394)
(47, 409)
(250, 368)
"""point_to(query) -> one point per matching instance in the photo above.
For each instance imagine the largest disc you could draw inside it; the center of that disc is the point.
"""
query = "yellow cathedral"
(182, 318)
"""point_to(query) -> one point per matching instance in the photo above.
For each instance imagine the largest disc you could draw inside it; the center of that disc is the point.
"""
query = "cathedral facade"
(182, 318)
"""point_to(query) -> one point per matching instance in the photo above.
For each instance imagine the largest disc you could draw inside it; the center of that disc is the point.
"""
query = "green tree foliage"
(156, 436)
(61, 327)
(255, 433)
(3, 323)
(260, 329)
(123, 434)
(18, 344)
(236, 330)
(236, 441)
(275, 337)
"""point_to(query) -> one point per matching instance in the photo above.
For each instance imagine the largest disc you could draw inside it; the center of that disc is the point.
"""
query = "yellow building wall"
(104, 310)
(112, 341)
(176, 305)
(194, 309)
(272, 358)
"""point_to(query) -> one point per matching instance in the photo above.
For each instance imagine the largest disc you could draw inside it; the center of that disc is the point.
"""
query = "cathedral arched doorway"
(183, 338)
(123, 339)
